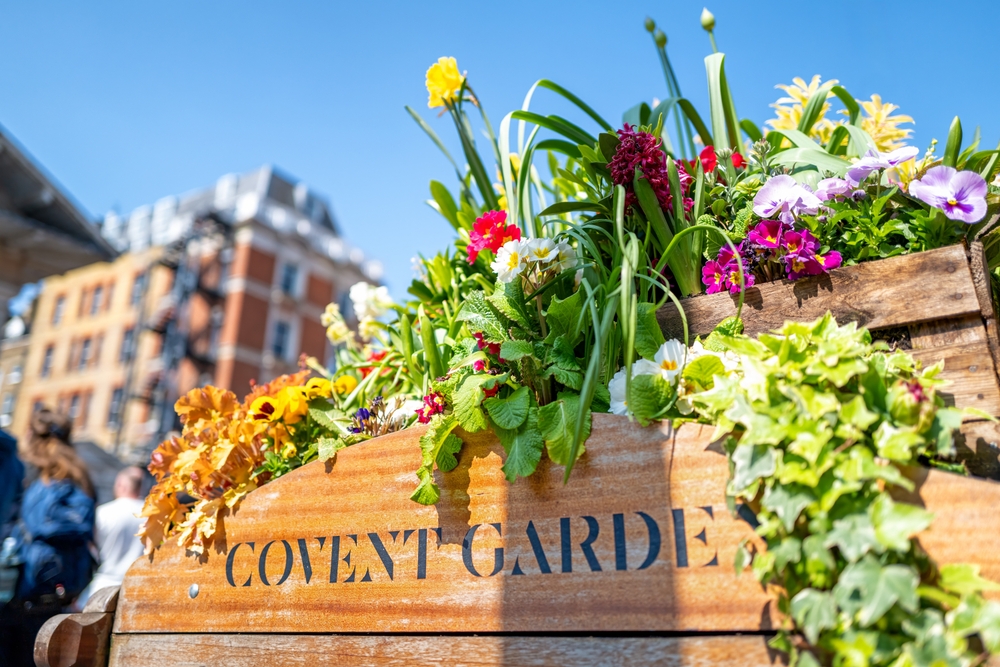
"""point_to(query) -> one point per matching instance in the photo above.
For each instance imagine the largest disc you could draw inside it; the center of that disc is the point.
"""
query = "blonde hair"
(48, 449)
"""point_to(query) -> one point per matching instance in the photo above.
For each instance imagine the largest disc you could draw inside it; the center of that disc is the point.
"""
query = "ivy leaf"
(481, 316)
(327, 448)
(788, 502)
(513, 350)
(896, 444)
(988, 623)
(869, 590)
(508, 298)
(789, 550)
(751, 462)
(814, 612)
(446, 458)
(854, 535)
(895, 523)
(946, 422)
(523, 447)
(648, 335)
(563, 318)
(702, 371)
(648, 396)
(964, 579)
(742, 559)
(557, 422)
(509, 413)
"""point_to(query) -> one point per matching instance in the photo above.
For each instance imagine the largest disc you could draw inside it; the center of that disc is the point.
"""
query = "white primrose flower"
(511, 260)
(542, 251)
(370, 302)
(619, 400)
(567, 256)
(670, 359)
(368, 328)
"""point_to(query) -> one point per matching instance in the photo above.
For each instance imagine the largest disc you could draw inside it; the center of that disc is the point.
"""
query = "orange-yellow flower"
(444, 82)
(345, 384)
(319, 388)
(268, 408)
(296, 404)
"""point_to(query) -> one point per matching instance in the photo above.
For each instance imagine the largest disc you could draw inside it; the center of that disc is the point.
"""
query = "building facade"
(221, 286)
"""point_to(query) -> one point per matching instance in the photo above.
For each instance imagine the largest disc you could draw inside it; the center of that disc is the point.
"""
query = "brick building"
(187, 303)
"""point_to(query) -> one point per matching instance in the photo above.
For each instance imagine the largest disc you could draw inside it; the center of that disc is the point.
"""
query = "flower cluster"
(379, 417)
(540, 254)
(490, 232)
(643, 150)
(667, 363)
(337, 330)
(433, 404)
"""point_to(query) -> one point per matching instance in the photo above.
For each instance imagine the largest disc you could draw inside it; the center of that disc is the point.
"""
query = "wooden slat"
(419, 651)
(80, 640)
(900, 290)
(625, 471)
(677, 479)
(979, 448)
(969, 370)
(984, 293)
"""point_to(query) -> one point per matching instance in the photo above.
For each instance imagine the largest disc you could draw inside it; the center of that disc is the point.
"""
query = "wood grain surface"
(204, 650)
(900, 290)
(74, 640)
(639, 540)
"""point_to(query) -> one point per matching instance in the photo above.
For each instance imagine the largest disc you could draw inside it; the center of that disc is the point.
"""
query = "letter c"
(229, 564)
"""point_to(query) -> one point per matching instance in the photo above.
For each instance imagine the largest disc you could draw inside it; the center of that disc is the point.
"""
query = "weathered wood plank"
(979, 448)
(900, 290)
(104, 600)
(650, 508)
(984, 293)
(969, 370)
(77, 640)
(417, 651)
(639, 540)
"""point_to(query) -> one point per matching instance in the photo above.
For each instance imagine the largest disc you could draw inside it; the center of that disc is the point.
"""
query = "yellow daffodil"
(882, 126)
(789, 109)
(318, 388)
(444, 82)
(345, 384)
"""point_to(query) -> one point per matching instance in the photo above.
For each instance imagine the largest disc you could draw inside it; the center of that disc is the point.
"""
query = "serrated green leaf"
(480, 316)
(648, 396)
(523, 447)
(563, 318)
(327, 448)
(648, 336)
(447, 456)
(895, 523)
(427, 492)
(509, 413)
(321, 411)
(702, 371)
(431, 442)
(513, 350)
(814, 612)
(557, 423)
(570, 379)
(508, 298)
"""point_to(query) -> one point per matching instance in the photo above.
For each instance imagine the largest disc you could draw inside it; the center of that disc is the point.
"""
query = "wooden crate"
(629, 563)
(938, 302)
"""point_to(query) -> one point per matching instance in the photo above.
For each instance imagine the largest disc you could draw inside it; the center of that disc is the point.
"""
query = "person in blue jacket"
(11, 483)
(54, 533)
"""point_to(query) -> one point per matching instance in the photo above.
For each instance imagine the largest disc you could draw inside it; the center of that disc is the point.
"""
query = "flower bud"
(650, 24)
(707, 19)
(661, 38)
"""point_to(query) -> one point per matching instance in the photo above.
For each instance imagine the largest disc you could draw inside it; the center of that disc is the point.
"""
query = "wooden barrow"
(631, 563)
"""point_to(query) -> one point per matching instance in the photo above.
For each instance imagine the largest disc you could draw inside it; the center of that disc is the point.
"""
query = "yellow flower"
(882, 126)
(345, 384)
(789, 109)
(318, 388)
(269, 408)
(444, 82)
(296, 403)
(289, 451)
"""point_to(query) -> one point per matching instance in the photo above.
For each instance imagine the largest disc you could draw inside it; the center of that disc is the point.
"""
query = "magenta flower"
(733, 279)
(960, 194)
(643, 150)
(786, 197)
(801, 243)
(767, 234)
(799, 266)
(829, 188)
(713, 276)
(872, 160)
(830, 260)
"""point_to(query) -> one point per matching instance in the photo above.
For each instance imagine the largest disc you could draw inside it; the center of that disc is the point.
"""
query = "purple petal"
(939, 177)
(967, 185)
(900, 155)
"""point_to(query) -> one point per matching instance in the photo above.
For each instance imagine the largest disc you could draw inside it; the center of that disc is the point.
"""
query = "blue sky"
(126, 102)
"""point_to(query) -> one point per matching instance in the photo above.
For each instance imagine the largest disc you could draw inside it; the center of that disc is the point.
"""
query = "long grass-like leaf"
(725, 123)
(954, 144)
(556, 124)
(699, 124)
(560, 146)
(853, 108)
(820, 159)
(814, 108)
(751, 130)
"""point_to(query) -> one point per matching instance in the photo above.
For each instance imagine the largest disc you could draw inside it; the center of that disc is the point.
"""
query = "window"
(128, 346)
(84, 355)
(138, 288)
(280, 344)
(95, 300)
(110, 296)
(289, 279)
(15, 375)
(84, 409)
(98, 344)
(115, 408)
(58, 310)
(47, 362)
(83, 303)
(74, 407)
(6, 410)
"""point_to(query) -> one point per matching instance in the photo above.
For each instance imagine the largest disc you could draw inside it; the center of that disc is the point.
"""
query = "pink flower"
(713, 276)
(830, 188)
(800, 243)
(490, 232)
(767, 234)
(642, 149)
(733, 279)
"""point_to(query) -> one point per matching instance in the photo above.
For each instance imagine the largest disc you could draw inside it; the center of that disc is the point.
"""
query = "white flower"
(670, 359)
(370, 301)
(368, 328)
(510, 261)
(339, 333)
(542, 251)
(567, 256)
(619, 401)
(331, 315)
(409, 408)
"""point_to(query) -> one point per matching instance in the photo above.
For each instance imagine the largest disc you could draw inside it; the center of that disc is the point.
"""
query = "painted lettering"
(262, 566)
(229, 564)
(467, 551)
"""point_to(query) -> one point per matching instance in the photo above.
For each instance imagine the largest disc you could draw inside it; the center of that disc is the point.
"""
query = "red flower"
(373, 356)
(738, 161)
(490, 232)
(642, 150)
(490, 393)
(433, 405)
(709, 160)
(492, 348)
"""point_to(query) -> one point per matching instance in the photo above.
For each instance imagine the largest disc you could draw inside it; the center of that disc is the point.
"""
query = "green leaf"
(480, 316)
(523, 447)
(468, 398)
(649, 395)
(509, 413)
(751, 462)
(895, 523)
(725, 125)
(563, 318)
(513, 350)
(557, 422)
(702, 371)
(427, 492)
(327, 448)
(954, 145)
(508, 298)
(648, 335)
(946, 422)
(818, 158)
(447, 455)
(854, 535)
(445, 204)
(814, 612)
(561, 207)
(964, 579)
(431, 442)
(868, 590)
(321, 411)
(814, 108)
(556, 124)
(788, 502)
(570, 379)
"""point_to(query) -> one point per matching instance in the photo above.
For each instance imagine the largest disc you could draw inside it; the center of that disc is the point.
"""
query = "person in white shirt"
(115, 532)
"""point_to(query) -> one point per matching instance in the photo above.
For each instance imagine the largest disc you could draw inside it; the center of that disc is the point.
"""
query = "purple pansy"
(960, 194)
(829, 188)
(786, 197)
(767, 234)
(872, 160)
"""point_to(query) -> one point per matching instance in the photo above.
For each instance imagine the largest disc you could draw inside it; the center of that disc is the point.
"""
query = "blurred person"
(54, 533)
(11, 483)
(115, 532)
